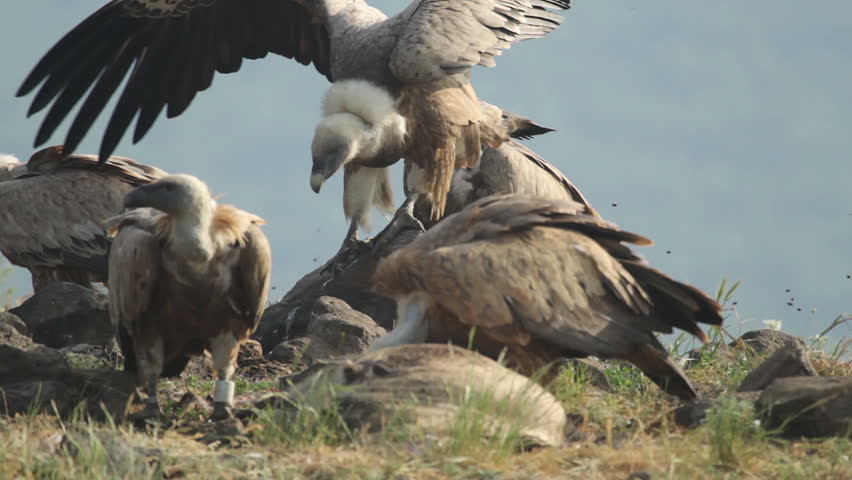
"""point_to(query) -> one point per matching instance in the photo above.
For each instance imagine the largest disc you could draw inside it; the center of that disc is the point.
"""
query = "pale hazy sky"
(723, 131)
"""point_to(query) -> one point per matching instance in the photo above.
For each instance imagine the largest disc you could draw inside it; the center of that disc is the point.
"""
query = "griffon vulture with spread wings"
(541, 280)
(186, 275)
(51, 210)
(169, 50)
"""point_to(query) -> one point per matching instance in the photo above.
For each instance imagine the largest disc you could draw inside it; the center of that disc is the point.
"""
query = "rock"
(289, 317)
(13, 321)
(105, 391)
(190, 401)
(435, 387)
(250, 352)
(67, 314)
(41, 362)
(290, 351)
(336, 329)
(93, 356)
(30, 379)
(694, 412)
(9, 335)
(791, 360)
(807, 406)
(27, 397)
(765, 341)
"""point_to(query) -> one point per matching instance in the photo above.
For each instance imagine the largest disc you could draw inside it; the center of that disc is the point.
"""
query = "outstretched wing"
(444, 37)
(171, 49)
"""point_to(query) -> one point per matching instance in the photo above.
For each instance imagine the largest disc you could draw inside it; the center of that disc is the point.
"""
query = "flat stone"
(431, 386)
(9, 335)
(41, 362)
(65, 314)
(694, 412)
(13, 321)
(791, 360)
(290, 352)
(808, 406)
(764, 341)
(336, 329)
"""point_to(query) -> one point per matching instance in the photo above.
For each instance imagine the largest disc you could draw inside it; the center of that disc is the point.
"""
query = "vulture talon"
(151, 414)
(402, 220)
(349, 252)
(221, 411)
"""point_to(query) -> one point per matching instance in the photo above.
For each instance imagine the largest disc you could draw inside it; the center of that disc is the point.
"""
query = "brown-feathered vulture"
(366, 154)
(186, 275)
(52, 208)
(169, 50)
(544, 281)
(512, 168)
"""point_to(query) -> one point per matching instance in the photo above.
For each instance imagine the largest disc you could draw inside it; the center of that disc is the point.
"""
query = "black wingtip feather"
(98, 52)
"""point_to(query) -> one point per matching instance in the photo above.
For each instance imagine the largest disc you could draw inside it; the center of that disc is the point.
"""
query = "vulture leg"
(149, 359)
(412, 326)
(350, 250)
(402, 220)
(223, 348)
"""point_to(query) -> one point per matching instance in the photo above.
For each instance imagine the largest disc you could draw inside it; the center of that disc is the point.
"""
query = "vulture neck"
(385, 139)
(191, 235)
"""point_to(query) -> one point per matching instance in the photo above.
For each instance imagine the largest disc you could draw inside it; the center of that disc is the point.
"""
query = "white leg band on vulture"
(224, 392)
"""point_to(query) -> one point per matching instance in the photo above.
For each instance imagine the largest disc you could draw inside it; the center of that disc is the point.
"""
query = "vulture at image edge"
(169, 50)
(186, 275)
(52, 208)
(541, 280)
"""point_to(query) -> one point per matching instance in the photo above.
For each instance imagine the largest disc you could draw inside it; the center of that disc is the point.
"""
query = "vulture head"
(179, 195)
(359, 123)
(187, 201)
(10, 167)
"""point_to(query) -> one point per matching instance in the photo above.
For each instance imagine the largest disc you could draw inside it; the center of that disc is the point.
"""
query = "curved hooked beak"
(317, 179)
(325, 166)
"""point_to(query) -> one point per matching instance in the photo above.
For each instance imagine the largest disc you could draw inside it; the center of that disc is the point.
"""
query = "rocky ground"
(314, 406)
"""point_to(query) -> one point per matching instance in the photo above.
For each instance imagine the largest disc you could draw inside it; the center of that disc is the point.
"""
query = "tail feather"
(383, 195)
(679, 304)
(657, 365)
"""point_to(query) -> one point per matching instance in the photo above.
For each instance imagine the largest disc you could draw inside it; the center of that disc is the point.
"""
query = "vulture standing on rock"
(421, 57)
(541, 280)
(186, 275)
(52, 208)
(365, 155)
